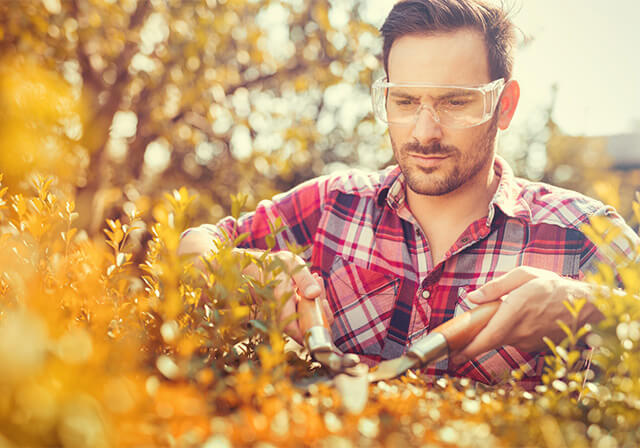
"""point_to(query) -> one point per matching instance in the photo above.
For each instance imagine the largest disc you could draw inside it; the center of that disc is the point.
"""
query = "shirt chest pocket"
(362, 301)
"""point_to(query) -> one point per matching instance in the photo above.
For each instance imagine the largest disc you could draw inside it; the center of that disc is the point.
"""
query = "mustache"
(434, 149)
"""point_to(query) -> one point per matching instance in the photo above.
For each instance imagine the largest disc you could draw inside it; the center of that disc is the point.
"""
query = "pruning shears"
(352, 377)
(449, 337)
(348, 374)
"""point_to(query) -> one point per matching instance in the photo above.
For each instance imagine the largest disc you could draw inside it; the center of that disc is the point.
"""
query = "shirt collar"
(392, 189)
(507, 198)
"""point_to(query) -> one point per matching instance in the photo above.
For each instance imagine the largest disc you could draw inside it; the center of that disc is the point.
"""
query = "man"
(402, 250)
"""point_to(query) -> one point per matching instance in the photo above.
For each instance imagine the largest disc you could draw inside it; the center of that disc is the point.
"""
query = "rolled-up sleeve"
(609, 241)
(295, 213)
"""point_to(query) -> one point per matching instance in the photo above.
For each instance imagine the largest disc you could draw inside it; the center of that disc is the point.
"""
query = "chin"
(437, 186)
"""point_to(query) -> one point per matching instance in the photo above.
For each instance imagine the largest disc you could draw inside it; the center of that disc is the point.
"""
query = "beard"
(453, 172)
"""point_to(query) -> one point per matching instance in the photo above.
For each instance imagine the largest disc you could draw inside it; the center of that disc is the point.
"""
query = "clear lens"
(456, 107)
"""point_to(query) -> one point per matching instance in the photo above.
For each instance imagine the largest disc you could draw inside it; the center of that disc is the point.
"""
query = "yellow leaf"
(572, 357)
(240, 312)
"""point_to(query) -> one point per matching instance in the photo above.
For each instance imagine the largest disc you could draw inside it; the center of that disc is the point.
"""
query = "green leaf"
(260, 325)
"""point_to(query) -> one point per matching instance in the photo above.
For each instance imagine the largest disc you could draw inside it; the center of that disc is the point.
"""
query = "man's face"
(436, 160)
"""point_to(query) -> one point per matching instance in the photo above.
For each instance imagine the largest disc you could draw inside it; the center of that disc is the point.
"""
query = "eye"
(404, 102)
(456, 102)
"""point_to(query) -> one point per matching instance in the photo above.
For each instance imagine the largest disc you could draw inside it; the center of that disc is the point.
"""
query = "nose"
(426, 128)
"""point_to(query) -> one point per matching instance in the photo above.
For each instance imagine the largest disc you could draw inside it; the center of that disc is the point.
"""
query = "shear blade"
(392, 368)
(354, 390)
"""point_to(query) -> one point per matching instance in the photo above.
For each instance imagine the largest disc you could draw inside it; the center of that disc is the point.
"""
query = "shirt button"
(426, 294)
(464, 240)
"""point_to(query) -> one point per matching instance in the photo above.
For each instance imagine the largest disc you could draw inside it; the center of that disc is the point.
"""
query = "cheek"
(470, 141)
(399, 135)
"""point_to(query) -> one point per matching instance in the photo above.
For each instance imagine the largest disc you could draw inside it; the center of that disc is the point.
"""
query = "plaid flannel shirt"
(381, 284)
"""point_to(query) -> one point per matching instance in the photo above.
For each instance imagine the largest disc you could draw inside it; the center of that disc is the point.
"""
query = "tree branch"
(105, 114)
(293, 71)
(89, 76)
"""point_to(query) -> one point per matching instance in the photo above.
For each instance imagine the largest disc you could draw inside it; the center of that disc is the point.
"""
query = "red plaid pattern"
(379, 276)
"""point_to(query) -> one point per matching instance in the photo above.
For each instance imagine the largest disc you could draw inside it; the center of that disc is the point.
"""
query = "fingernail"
(312, 291)
(476, 295)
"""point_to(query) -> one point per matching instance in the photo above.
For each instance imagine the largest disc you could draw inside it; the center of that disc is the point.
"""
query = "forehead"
(455, 58)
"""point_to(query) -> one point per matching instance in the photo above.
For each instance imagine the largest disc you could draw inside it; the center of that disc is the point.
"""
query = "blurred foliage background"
(220, 96)
(125, 99)
(119, 343)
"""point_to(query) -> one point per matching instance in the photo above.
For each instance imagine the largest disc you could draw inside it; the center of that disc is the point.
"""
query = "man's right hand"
(295, 281)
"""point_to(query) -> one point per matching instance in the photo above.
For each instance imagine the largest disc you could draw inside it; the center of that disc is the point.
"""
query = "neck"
(466, 204)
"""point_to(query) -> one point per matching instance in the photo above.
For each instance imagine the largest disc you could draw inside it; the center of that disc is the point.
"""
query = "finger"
(292, 329)
(284, 290)
(294, 332)
(493, 335)
(499, 286)
(303, 279)
(328, 312)
(324, 303)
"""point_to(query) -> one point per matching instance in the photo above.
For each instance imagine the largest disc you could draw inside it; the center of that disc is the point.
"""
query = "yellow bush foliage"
(99, 351)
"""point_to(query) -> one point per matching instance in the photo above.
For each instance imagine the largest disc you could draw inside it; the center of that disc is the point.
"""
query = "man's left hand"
(532, 303)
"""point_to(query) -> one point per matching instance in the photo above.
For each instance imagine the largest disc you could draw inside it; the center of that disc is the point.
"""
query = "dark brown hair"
(425, 17)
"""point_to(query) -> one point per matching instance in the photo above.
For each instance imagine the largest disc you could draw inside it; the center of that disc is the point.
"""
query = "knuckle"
(544, 287)
(527, 271)
(284, 255)
(295, 261)
(491, 286)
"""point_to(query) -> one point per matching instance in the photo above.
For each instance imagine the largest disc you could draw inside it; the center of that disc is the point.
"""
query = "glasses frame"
(492, 90)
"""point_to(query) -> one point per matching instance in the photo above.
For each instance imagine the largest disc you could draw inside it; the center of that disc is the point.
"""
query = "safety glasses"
(450, 106)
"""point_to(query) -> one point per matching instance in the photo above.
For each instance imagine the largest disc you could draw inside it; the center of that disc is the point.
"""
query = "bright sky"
(589, 49)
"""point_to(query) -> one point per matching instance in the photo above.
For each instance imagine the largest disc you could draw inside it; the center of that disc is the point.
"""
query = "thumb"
(478, 296)
(305, 282)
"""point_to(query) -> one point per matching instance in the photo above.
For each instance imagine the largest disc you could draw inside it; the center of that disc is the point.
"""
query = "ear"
(508, 103)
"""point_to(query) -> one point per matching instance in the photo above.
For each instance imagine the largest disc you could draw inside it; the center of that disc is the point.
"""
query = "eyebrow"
(403, 95)
(445, 96)
(454, 95)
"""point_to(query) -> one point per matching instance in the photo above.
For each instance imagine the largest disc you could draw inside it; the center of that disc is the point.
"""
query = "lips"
(428, 160)
(429, 156)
